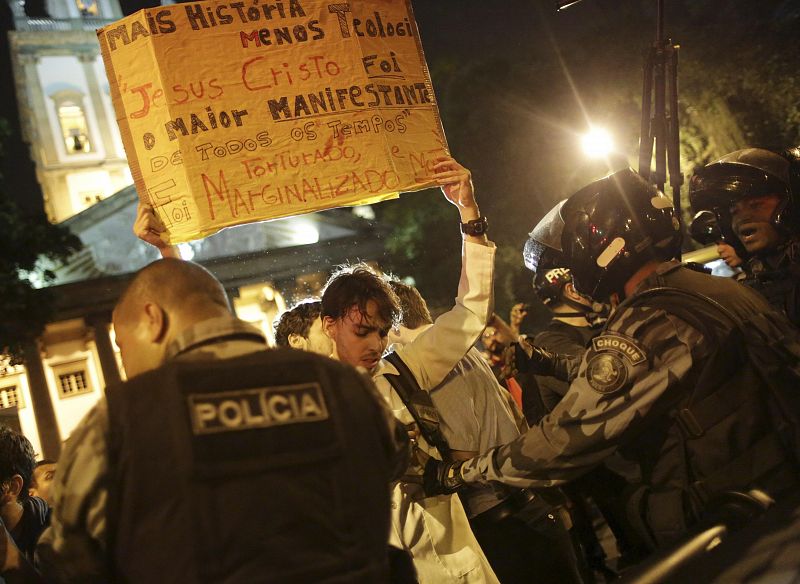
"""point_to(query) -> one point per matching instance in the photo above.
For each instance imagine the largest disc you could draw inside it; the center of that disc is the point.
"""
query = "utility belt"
(507, 507)
(529, 507)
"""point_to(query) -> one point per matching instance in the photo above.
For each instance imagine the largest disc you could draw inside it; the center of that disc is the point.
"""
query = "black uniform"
(563, 339)
(271, 467)
(777, 278)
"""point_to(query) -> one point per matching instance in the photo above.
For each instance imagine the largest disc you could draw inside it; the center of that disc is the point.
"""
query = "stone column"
(87, 61)
(102, 339)
(46, 423)
(33, 113)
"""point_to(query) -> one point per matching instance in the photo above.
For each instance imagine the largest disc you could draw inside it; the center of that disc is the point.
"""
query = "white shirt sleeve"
(437, 350)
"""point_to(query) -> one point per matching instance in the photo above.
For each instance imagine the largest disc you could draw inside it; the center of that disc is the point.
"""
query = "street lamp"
(597, 143)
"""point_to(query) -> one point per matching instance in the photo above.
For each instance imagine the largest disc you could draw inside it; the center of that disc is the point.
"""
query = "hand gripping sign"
(242, 111)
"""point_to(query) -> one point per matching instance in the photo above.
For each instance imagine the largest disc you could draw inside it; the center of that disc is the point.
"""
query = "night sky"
(517, 83)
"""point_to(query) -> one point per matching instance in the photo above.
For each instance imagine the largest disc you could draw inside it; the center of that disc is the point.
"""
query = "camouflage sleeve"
(73, 548)
(640, 357)
(529, 357)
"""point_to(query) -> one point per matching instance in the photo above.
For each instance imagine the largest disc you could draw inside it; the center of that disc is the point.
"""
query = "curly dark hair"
(16, 458)
(355, 285)
(296, 320)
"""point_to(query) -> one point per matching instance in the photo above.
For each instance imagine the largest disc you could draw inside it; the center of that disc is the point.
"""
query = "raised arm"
(434, 353)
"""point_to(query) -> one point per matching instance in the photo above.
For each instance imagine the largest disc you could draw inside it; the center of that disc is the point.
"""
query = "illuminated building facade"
(69, 123)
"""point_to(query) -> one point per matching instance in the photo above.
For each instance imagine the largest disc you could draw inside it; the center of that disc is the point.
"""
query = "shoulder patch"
(606, 373)
(625, 347)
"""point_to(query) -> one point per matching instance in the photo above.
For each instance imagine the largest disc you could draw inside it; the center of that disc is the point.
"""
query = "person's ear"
(14, 487)
(329, 326)
(156, 321)
(297, 341)
(569, 292)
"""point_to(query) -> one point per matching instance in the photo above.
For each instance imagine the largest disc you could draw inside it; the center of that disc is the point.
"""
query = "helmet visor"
(545, 237)
(719, 185)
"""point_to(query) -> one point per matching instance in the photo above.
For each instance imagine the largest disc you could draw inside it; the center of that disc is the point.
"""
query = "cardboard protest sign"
(233, 112)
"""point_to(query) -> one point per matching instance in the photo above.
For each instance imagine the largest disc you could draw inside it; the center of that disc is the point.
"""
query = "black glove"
(442, 478)
(533, 359)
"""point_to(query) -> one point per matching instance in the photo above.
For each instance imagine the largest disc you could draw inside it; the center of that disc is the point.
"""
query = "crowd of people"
(378, 444)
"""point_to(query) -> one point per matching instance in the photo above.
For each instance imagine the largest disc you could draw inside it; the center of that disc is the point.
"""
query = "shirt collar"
(402, 335)
(213, 330)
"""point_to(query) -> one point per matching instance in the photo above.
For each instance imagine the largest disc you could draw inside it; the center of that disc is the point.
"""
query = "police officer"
(220, 461)
(575, 322)
(635, 388)
(754, 194)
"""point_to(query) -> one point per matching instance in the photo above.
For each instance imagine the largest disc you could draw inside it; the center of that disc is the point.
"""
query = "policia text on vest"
(261, 407)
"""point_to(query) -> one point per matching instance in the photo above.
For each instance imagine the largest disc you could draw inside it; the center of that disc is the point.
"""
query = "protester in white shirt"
(359, 309)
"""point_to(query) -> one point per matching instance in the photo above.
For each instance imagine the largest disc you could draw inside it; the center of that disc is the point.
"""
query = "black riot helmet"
(549, 284)
(751, 172)
(611, 228)
(542, 255)
(541, 251)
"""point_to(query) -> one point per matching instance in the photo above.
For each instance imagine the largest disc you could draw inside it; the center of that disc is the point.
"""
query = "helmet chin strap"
(583, 308)
(568, 314)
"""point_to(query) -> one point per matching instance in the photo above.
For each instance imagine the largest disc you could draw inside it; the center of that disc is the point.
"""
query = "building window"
(73, 383)
(72, 379)
(73, 128)
(87, 8)
(72, 119)
(11, 396)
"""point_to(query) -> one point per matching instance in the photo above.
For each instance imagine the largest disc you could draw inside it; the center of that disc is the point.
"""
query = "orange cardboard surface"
(234, 112)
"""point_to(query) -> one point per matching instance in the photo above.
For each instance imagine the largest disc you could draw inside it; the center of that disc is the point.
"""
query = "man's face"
(359, 339)
(43, 477)
(134, 337)
(318, 341)
(750, 218)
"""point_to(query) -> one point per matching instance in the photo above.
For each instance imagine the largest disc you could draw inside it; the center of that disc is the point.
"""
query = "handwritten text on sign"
(233, 112)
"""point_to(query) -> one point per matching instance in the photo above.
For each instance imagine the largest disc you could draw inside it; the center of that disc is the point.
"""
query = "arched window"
(72, 119)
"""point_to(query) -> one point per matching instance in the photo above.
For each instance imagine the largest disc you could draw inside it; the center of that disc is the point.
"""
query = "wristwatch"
(477, 226)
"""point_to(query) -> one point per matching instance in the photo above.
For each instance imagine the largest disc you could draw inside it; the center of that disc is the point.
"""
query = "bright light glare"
(186, 250)
(597, 143)
(305, 233)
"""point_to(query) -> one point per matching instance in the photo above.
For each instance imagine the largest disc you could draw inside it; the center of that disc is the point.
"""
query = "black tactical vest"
(272, 467)
(713, 433)
(781, 287)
